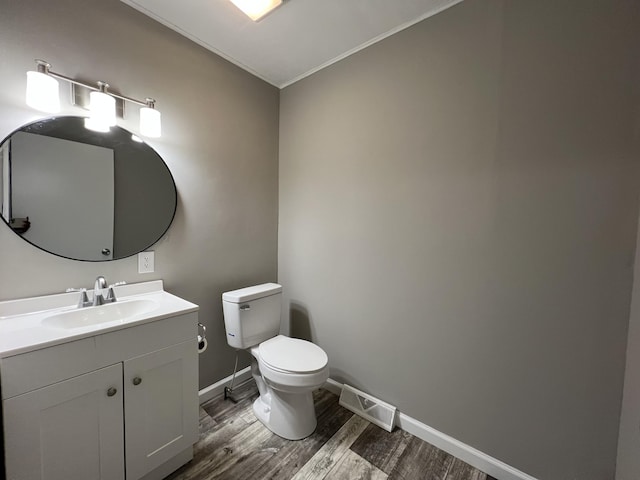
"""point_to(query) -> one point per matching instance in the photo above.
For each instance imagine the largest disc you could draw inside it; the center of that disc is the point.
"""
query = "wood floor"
(235, 445)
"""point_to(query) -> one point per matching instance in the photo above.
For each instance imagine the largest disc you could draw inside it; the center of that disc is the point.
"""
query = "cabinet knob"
(112, 391)
(137, 381)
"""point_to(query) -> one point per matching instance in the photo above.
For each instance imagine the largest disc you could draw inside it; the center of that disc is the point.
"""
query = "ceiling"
(295, 40)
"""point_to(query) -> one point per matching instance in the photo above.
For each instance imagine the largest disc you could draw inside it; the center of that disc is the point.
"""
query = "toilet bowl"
(289, 369)
(286, 370)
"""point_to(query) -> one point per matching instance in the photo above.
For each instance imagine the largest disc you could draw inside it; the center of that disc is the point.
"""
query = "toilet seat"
(292, 355)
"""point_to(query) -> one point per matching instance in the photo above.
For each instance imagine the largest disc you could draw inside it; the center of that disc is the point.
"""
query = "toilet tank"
(252, 314)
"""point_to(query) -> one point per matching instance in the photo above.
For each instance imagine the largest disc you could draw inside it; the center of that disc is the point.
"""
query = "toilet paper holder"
(202, 339)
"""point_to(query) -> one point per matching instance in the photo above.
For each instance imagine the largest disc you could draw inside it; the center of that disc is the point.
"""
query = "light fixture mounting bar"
(43, 93)
(80, 98)
(44, 66)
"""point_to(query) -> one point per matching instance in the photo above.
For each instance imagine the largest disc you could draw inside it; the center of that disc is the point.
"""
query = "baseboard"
(472, 456)
(217, 388)
(333, 386)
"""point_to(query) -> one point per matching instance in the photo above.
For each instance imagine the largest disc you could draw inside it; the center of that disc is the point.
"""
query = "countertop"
(22, 328)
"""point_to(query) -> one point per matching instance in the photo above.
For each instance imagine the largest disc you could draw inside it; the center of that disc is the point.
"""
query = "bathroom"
(452, 211)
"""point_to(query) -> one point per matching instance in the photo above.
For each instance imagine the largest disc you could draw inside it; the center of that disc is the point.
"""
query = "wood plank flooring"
(234, 445)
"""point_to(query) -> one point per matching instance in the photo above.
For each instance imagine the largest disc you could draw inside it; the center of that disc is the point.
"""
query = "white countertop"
(22, 328)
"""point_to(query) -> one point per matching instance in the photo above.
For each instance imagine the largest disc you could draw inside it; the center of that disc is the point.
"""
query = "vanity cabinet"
(159, 407)
(71, 430)
(117, 405)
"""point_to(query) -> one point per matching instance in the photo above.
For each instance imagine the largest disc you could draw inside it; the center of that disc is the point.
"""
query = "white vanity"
(106, 392)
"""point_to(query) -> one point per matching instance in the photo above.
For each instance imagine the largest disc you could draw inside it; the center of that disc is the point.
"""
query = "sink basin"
(85, 317)
(29, 324)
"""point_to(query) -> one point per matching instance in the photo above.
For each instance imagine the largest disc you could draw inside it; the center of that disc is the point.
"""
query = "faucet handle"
(111, 294)
(84, 299)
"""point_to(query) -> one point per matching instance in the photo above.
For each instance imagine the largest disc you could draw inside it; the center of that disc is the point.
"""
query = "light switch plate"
(146, 262)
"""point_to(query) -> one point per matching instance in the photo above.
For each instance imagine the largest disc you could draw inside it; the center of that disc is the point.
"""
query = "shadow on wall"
(300, 327)
(341, 376)
(299, 324)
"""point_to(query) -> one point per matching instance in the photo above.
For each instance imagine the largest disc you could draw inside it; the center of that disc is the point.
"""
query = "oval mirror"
(82, 194)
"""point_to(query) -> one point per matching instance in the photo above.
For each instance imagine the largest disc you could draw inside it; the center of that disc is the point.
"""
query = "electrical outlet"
(146, 262)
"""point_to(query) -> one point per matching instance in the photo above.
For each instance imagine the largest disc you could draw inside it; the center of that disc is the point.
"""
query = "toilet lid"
(292, 355)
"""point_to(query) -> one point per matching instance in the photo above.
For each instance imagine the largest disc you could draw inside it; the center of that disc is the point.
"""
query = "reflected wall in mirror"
(82, 194)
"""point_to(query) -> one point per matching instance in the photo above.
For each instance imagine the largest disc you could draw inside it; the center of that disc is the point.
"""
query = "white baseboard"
(207, 393)
(333, 386)
(464, 452)
(472, 456)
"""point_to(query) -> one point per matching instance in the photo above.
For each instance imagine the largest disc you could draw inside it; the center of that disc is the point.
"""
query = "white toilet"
(285, 369)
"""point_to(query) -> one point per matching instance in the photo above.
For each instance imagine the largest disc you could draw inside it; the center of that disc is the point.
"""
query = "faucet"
(98, 296)
(84, 299)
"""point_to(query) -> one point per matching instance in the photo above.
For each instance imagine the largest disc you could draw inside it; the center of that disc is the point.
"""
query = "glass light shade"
(42, 92)
(256, 9)
(91, 124)
(150, 123)
(102, 109)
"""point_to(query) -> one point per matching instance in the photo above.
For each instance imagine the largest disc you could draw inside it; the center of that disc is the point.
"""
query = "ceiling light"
(256, 9)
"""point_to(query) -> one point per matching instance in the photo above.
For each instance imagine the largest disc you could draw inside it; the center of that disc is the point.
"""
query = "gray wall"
(458, 209)
(220, 141)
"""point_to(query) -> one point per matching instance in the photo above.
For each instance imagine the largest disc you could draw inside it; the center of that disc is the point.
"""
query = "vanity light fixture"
(43, 94)
(150, 125)
(256, 9)
(42, 89)
(102, 110)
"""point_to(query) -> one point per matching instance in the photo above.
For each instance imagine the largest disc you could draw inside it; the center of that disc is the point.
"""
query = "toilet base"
(289, 415)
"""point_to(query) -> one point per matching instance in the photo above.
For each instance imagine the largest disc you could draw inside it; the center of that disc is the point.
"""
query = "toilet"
(286, 370)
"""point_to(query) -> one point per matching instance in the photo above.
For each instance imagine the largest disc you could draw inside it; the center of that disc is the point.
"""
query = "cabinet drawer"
(135, 341)
(28, 371)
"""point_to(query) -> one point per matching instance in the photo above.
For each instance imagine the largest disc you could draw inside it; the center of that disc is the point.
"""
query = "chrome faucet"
(84, 299)
(111, 294)
(98, 296)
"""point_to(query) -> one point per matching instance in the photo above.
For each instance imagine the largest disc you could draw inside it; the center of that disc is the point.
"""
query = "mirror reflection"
(82, 194)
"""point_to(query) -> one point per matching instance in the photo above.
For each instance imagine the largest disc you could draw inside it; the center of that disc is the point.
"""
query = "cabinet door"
(161, 406)
(71, 430)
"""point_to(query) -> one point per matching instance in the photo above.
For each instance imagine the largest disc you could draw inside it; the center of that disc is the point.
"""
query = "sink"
(29, 324)
(119, 311)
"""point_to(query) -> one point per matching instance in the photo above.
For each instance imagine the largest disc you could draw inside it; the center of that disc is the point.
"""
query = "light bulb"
(102, 110)
(91, 124)
(42, 92)
(150, 122)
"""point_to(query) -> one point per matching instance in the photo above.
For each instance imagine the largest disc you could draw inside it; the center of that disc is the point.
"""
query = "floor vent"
(368, 407)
